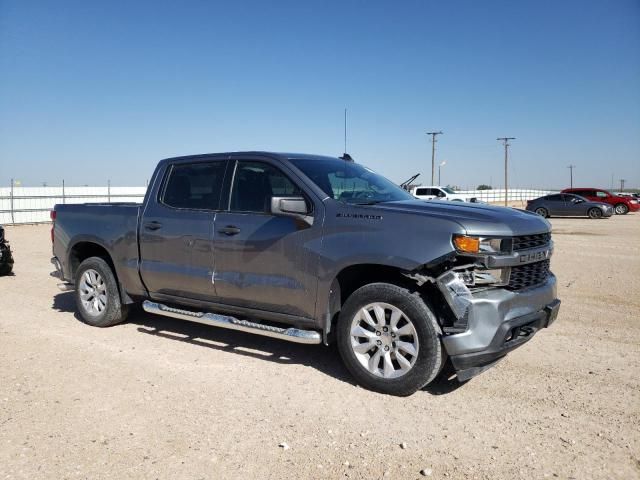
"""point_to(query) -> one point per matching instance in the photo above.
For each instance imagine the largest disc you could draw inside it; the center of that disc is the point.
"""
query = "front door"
(263, 261)
(176, 231)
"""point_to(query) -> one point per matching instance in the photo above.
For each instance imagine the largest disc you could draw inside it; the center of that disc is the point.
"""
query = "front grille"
(531, 241)
(528, 275)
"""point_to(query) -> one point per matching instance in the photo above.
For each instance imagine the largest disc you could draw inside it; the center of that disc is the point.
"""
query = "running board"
(295, 335)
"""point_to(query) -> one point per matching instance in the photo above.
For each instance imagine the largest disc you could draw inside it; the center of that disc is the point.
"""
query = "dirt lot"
(157, 398)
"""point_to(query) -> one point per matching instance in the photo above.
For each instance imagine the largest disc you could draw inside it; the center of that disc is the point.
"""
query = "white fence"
(32, 204)
(515, 194)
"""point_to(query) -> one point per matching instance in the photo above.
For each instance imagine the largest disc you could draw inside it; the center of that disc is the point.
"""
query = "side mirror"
(291, 207)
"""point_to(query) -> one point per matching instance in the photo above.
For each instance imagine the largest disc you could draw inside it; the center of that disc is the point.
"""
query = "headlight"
(494, 277)
(469, 244)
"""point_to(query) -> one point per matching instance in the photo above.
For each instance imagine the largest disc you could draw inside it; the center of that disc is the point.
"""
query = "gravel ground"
(157, 398)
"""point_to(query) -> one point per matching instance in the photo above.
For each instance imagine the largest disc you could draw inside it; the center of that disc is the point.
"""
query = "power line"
(433, 154)
(571, 167)
(505, 141)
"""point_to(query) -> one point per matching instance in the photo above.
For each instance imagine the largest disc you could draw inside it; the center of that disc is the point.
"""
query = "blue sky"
(98, 90)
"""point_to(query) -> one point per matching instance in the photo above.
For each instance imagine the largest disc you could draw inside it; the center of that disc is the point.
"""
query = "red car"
(621, 205)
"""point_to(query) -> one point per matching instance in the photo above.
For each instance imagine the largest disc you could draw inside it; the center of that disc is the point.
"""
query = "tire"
(5, 269)
(543, 212)
(594, 213)
(6, 264)
(421, 332)
(621, 209)
(97, 294)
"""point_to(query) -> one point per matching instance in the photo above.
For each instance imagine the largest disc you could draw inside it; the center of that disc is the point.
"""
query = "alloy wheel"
(384, 340)
(93, 292)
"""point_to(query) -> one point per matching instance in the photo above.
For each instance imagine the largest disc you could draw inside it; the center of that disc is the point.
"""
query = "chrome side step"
(223, 321)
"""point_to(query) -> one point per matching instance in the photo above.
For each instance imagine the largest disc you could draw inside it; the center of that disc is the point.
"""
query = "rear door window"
(195, 186)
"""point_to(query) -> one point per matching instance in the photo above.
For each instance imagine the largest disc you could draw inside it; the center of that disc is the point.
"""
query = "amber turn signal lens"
(467, 244)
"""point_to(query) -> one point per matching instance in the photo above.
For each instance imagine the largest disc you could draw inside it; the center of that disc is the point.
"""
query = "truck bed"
(114, 226)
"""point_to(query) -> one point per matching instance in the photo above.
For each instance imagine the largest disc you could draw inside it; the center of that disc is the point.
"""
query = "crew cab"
(621, 205)
(315, 249)
(441, 193)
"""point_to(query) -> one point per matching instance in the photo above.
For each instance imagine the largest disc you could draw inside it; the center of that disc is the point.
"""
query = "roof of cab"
(280, 155)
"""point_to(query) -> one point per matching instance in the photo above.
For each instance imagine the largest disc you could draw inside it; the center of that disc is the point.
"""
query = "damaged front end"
(499, 293)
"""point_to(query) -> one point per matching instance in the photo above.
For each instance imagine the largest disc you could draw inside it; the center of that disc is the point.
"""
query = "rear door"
(555, 204)
(176, 230)
(265, 262)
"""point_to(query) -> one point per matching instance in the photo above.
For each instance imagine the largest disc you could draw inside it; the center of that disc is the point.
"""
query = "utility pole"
(505, 141)
(433, 154)
(622, 180)
(571, 167)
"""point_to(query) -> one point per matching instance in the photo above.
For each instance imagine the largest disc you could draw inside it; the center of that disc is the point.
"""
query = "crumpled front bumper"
(497, 321)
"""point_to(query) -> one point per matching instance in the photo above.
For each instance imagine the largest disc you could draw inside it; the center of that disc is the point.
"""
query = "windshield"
(448, 190)
(350, 182)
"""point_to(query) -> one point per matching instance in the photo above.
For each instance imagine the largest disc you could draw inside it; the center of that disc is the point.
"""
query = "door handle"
(230, 230)
(152, 225)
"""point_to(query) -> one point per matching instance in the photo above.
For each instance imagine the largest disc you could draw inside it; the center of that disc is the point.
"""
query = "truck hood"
(476, 219)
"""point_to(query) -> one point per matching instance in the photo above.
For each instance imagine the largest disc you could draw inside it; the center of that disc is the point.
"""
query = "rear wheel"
(621, 209)
(97, 295)
(595, 213)
(389, 339)
(543, 212)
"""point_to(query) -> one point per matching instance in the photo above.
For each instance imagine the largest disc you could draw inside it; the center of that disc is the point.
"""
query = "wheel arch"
(87, 248)
(353, 277)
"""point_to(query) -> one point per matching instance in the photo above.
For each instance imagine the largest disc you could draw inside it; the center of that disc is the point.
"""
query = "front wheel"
(389, 339)
(621, 209)
(97, 295)
(595, 213)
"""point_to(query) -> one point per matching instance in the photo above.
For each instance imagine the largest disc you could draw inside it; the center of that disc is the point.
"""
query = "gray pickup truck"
(315, 249)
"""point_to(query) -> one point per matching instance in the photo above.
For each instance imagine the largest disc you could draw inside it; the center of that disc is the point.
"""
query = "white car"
(441, 193)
